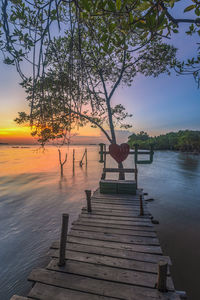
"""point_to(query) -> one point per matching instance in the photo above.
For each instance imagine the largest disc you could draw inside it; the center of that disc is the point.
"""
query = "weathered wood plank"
(108, 273)
(99, 287)
(115, 245)
(131, 255)
(115, 213)
(116, 197)
(106, 229)
(95, 223)
(49, 292)
(16, 297)
(115, 221)
(104, 260)
(116, 207)
(97, 194)
(119, 218)
(116, 202)
(114, 237)
(118, 170)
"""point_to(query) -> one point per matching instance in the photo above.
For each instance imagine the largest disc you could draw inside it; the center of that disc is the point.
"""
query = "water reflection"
(188, 162)
(33, 196)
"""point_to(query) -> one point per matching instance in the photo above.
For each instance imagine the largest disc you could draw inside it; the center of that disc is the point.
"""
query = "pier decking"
(112, 253)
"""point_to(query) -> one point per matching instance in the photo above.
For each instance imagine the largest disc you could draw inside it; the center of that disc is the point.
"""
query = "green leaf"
(111, 5)
(118, 4)
(130, 17)
(190, 7)
(197, 12)
(86, 5)
(112, 26)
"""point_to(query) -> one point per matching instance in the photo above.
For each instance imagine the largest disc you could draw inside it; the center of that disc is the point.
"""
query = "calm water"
(33, 196)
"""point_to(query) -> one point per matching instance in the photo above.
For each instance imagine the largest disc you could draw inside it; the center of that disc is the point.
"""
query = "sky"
(159, 105)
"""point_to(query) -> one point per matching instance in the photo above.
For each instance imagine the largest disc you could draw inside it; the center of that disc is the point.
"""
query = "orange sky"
(22, 135)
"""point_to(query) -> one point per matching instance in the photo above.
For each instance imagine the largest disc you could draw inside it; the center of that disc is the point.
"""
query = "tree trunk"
(112, 130)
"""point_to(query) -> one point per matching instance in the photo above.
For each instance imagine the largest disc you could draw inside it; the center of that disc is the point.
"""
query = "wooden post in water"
(88, 197)
(73, 160)
(86, 157)
(162, 276)
(63, 239)
(141, 207)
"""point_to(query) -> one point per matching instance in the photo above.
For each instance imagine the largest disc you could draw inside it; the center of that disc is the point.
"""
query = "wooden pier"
(112, 252)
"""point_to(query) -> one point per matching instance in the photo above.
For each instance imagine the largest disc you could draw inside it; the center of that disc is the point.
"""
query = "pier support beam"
(88, 197)
(141, 207)
(63, 239)
(162, 276)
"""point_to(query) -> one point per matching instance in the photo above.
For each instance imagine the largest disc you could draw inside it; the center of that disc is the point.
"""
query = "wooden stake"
(88, 197)
(141, 206)
(162, 276)
(73, 160)
(86, 156)
(136, 176)
(63, 239)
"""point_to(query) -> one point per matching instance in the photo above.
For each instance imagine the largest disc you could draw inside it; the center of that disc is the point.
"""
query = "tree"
(84, 66)
(184, 140)
(155, 18)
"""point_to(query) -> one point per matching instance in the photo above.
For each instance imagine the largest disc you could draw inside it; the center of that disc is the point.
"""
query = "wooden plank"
(16, 297)
(115, 221)
(115, 237)
(116, 207)
(116, 197)
(118, 170)
(49, 292)
(114, 213)
(108, 273)
(105, 229)
(99, 287)
(117, 202)
(130, 255)
(95, 223)
(104, 260)
(126, 212)
(123, 208)
(115, 245)
(119, 218)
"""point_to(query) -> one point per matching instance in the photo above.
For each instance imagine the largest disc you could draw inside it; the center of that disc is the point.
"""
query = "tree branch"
(177, 21)
(92, 121)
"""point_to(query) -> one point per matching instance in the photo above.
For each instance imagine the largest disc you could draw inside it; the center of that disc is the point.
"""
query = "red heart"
(119, 152)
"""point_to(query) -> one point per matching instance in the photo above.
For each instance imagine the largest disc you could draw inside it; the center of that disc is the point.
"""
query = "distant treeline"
(183, 140)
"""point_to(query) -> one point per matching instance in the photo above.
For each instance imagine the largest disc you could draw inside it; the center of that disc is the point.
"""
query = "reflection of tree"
(188, 162)
(61, 181)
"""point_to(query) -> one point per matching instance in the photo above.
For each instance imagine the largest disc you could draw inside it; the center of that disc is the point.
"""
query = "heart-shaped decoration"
(119, 152)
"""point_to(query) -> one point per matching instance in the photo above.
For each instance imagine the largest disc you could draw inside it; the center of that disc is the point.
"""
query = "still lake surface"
(33, 197)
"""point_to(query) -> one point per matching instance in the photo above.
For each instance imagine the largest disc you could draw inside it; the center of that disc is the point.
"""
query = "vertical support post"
(63, 239)
(86, 157)
(88, 197)
(136, 169)
(73, 160)
(101, 145)
(136, 176)
(141, 206)
(162, 276)
(103, 176)
(151, 153)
